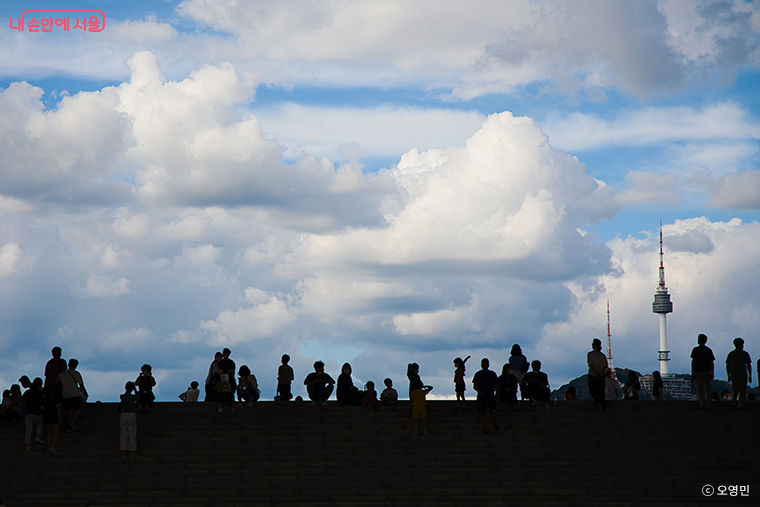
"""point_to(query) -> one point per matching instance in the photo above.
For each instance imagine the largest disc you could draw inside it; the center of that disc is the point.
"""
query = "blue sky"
(375, 182)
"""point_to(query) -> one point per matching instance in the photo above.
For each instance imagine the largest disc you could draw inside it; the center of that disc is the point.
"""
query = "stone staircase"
(294, 454)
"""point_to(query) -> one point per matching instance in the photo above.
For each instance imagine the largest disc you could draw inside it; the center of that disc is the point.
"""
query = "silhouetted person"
(192, 394)
(214, 374)
(597, 365)
(459, 383)
(53, 386)
(248, 387)
(13, 408)
(703, 371)
(536, 384)
(656, 386)
(507, 391)
(33, 403)
(285, 376)
(571, 394)
(50, 420)
(389, 396)
(486, 383)
(520, 366)
(228, 366)
(128, 421)
(347, 393)
(739, 369)
(631, 388)
(369, 399)
(144, 383)
(319, 384)
(610, 386)
(73, 390)
(419, 408)
(415, 382)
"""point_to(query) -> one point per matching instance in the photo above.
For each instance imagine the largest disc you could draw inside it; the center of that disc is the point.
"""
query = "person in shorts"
(486, 384)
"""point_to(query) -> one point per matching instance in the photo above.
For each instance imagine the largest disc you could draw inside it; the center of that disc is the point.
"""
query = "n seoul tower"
(662, 306)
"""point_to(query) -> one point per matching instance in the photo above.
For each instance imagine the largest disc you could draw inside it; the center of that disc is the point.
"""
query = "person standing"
(520, 367)
(739, 369)
(73, 390)
(53, 370)
(285, 376)
(597, 365)
(703, 372)
(128, 421)
(485, 383)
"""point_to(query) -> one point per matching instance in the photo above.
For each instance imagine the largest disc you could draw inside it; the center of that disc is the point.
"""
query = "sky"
(375, 181)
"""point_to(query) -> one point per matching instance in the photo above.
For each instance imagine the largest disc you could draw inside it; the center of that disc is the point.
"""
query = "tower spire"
(609, 344)
(662, 306)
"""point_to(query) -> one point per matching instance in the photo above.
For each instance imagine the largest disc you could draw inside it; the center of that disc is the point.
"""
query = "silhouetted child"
(144, 384)
(459, 383)
(369, 401)
(128, 421)
(389, 396)
(285, 376)
(224, 392)
(507, 387)
(192, 393)
(419, 408)
(656, 386)
(571, 394)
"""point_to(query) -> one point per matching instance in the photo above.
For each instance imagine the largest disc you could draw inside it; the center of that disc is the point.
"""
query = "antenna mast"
(609, 344)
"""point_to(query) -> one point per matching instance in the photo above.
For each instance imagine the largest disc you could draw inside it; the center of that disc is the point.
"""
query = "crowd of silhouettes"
(55, 399)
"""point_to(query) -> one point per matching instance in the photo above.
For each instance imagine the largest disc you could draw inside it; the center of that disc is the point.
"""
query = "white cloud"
(126, 341)
(102, 287)
(204, 255)
(10, 255)
(138, 31)
(506, 200)
(725, 121)
(267, 316)
(733, 191)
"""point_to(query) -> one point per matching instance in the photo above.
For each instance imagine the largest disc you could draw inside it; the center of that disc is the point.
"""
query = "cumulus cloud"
(266, 316)
(102, 287)
(733, 191)
(506, 201)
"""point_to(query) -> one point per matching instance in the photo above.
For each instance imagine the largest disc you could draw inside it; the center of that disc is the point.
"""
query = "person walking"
(703, 372)
(739, 369)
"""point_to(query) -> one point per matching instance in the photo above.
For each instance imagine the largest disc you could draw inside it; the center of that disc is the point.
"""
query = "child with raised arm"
(419, 408)
(459, 384)
(389, 395)
(285, 376)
